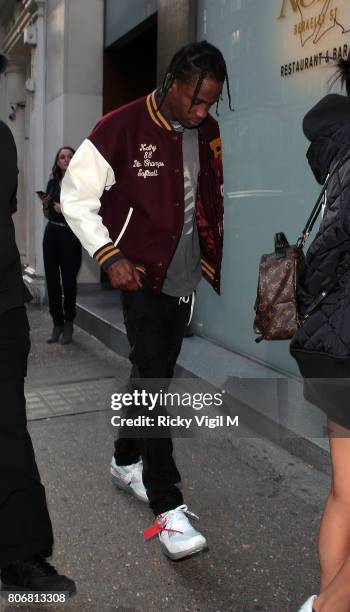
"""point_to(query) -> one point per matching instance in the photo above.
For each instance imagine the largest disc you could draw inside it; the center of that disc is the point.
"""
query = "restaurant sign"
(320, 28)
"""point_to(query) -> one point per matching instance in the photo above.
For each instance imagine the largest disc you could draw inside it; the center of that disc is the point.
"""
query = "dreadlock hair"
(56, 172)
(342, 74)
(199, 60)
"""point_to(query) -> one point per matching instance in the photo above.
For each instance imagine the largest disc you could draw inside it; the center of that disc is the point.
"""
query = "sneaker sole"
(118, 482)
(183, 555)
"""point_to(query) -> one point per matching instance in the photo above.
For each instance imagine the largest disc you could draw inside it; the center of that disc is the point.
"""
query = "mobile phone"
(41, 194)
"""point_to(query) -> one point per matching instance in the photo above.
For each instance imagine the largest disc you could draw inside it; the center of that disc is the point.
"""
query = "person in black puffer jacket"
(321, 345)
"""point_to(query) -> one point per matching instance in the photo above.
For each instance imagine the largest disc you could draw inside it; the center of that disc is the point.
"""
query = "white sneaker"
(307, 607)
(177, 536)
(129, 478)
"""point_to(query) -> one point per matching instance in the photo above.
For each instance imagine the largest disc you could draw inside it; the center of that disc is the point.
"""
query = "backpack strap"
(318, 206)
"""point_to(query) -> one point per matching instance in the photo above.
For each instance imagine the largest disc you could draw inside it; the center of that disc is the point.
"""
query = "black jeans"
(25, 527)
(155, 326)
(62, 258)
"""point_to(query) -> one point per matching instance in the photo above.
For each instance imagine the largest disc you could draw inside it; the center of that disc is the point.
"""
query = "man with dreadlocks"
(156, 166)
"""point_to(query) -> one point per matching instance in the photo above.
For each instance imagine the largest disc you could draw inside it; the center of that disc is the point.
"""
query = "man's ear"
(174, 86)
(167, 81)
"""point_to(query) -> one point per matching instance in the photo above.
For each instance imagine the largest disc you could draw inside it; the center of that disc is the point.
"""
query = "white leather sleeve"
(86, 178)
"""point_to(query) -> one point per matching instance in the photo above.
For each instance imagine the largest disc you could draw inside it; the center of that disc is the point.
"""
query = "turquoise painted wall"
(268, 185)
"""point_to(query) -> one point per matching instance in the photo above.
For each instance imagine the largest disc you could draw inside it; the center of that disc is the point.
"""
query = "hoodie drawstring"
(185, 300)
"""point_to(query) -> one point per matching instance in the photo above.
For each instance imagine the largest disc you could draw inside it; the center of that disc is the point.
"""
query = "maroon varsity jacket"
(143, 208)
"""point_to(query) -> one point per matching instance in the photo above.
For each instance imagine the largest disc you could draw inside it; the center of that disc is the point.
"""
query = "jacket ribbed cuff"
(107, 255)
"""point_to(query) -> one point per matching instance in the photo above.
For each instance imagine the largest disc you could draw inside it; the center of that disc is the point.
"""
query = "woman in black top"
(62, 255)
(321, 344)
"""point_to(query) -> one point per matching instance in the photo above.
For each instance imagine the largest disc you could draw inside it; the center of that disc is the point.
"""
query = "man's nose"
(202, 112)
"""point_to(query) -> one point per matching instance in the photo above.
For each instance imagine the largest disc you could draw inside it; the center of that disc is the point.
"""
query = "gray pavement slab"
(259, 507)
(84, 359)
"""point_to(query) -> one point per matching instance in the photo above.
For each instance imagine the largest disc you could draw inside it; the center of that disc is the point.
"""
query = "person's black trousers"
(62, 258)
(155, 326)
(25, 526)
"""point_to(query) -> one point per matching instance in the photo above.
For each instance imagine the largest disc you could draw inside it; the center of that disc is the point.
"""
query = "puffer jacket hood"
(327, 126)
(324, 281)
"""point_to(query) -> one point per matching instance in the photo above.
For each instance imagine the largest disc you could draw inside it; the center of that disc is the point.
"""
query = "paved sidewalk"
(259, 507)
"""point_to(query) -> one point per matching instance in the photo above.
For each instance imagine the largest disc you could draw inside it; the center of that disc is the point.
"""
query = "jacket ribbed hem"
(107, 255)
(326, 383)
(314, 364)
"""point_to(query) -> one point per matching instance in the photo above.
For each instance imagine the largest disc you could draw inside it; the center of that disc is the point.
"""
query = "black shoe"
(67, 335)
(188, 333)
(36, 574)
(55, 334)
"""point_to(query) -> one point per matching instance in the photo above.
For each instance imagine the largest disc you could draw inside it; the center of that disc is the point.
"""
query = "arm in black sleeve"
(13, 201)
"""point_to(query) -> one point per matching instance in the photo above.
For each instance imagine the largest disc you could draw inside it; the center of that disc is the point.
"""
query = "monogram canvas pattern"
(276, 303)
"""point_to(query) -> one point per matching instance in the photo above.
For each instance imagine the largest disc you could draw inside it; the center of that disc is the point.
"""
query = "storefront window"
(280, 57)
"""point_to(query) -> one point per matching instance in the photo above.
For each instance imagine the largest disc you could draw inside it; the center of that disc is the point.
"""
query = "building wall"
(74, 59)
(21, 111)
(177, 27)
(268, 185)
(74, 71)
(65, 67)
(123, 16)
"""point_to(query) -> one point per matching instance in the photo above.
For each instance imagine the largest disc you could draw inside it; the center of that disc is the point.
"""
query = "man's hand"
(123, 275)
(57, 207)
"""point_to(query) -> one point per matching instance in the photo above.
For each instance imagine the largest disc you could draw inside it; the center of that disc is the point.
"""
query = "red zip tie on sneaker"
(157, 527)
